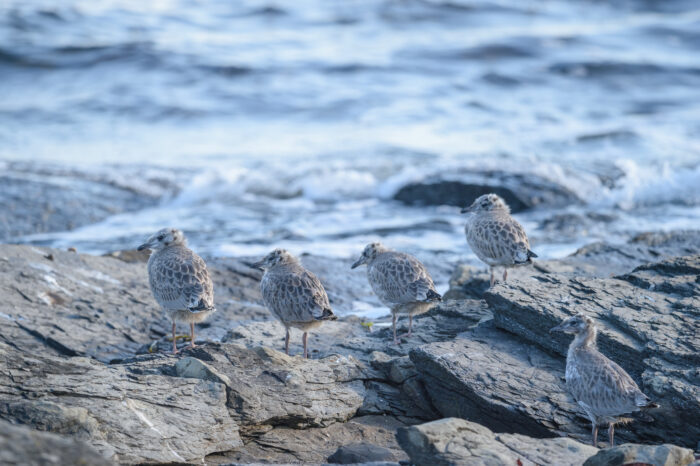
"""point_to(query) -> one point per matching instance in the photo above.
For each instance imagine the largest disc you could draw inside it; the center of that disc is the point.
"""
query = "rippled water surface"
(260, 124)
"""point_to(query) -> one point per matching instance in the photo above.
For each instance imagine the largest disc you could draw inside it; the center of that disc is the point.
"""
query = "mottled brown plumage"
(601, 387)
(293, 294)
(400, 281)
(179, 280)
(496, 238)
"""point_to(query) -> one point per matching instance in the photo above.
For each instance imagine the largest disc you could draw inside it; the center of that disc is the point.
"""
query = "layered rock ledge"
(81, 358)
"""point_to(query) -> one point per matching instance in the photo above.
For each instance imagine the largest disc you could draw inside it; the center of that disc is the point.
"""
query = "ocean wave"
(601, 69)
(77, 56)
(648, 185)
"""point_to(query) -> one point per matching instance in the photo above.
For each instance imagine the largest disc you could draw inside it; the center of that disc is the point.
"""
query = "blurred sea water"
(256, 125)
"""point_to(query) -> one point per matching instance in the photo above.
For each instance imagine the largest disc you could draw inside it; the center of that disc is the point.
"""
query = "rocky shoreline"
(83, 375)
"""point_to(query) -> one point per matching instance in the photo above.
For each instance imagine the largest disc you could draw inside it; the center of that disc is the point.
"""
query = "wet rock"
(317, 444)
(504, 383)
(605, 260)
(457, 441)
(126, 412)
(468, 282)
(267, 387)
(457, 363)
(649, 322)
(74, 305)
(570, 226)
(22, 446)
(661, 455)
(39, 199)
(355, 337)
(101, 307)
(520, 191)
(361, 453)
(391, 385)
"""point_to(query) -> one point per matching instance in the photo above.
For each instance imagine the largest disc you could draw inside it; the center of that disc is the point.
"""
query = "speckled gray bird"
(602, 389)
(179, 280)
(495, 237)
(400, 281)
(293, 294)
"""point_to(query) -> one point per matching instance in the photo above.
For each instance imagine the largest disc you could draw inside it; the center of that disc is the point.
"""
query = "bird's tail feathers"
(433, 296)
(201, 306)
(650, 405)
(328, 315)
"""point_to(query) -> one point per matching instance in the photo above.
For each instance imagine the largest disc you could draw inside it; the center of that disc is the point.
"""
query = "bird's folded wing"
(295, 297)
(182, 282)
(401, 279)
(605, 386)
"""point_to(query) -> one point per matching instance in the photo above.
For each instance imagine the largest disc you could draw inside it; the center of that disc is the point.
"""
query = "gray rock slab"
(316, 445)
(128, 415)
(356, 453)
(267, 387)
(657, 455)
(506, 384)
(35, 200)
(520, 191)
(69, 304)
(22, 446)
(454, 441)
(649, 322)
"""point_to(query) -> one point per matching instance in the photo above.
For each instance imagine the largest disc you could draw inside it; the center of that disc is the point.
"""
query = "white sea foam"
(654, 186)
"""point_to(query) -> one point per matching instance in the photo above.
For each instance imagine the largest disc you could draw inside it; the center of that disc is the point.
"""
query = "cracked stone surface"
(630, 453)
(81, 355)
(649, 322)
(22, 446)
(457, 441)
(127, 415)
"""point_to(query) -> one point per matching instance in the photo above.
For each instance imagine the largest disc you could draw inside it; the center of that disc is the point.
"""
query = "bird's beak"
(143, 246)
(555, 329)
(358, 263)
(258, 265)
(466, 210)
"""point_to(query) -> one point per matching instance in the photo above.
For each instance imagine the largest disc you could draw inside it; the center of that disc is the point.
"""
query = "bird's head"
(371, 251)
(487, 203)
(575, 325)
(278, 256)
(163, 238)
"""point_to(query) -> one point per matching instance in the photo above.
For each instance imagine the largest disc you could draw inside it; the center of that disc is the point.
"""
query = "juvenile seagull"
(293, 294)
(602, 388)
(495, 237)
(179, 279)
(400, 281)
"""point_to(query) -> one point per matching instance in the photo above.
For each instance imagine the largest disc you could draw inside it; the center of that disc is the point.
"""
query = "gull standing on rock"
(602, 388)
(495, 237)
(179, 280)
(293, 294)
(401, 282)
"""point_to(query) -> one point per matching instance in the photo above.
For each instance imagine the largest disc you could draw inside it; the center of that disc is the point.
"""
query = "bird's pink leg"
(304, 339)
(393, 322)
(410, 324)
(595, 435)
(505, 274)
(192, 345)
(493, 279)
(174, 340)
(611, 434)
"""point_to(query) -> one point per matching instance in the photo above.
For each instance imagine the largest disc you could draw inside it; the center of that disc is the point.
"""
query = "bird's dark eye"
(160, 237)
